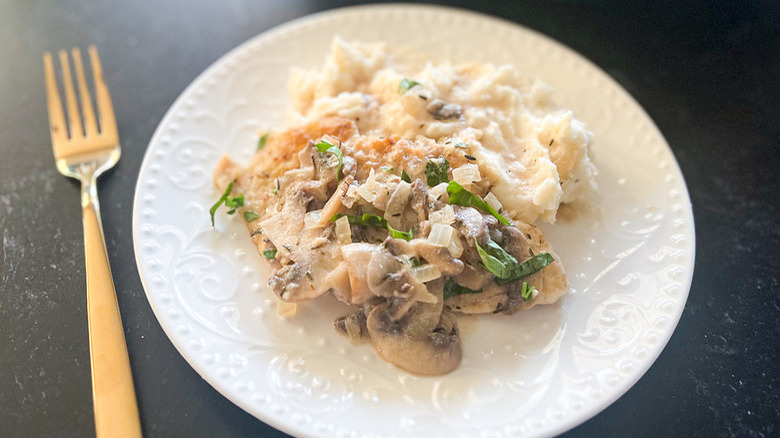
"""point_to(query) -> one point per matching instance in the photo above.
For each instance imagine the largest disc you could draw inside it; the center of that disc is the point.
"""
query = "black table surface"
(708, 73)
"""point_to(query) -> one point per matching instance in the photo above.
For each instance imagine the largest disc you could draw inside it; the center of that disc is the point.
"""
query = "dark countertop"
(708, 73)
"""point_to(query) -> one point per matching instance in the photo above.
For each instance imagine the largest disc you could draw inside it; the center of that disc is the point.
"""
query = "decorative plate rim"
(562, 426)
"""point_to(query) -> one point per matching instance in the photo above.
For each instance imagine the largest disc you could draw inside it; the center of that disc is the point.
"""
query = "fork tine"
(102, 97)
(56, 117)
(74, 118)
(87, 113)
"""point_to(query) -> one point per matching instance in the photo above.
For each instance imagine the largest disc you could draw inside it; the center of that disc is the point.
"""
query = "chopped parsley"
(436, 171)
(261, 142)
(396, 234)
(406, 85)
(405, 177)
(269, 253)
(324, 146)
(369, 220)
(232, 202)
(461, 196)
(250, 215)
(415, 262)
(452, 288)
(309, 276)
(386, 169)
(372, 220)
(527, 292)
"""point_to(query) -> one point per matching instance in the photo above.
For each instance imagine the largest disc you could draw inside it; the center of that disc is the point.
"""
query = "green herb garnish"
(528, 267)
(499, 262)
(396, 234)
(405, 177)
(325, 146)
(461, 196)
(275, 191)
(415, 262)
(406, 85)
(250, 215)
(269, 253)
(436, 171)
(261, 142)
(372, 220)
(505, 266)
(309, 276)
(452, 288)
(527, 292)
(386, 169)
(232, 202)
(461, 145)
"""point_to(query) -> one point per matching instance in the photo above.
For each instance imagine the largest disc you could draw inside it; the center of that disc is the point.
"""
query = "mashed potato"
(534, 156)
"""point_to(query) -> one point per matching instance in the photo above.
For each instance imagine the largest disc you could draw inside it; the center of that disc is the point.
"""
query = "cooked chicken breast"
(334, 211)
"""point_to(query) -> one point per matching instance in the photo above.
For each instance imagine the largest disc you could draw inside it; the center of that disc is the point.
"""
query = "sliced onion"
(426, 273)
(383, 192)
(455, 247)
(440, 235)
(312, 218)
(287, 310)
(444, 216)
(368, 190)
(493, 201)
(397, 203)
(343, 231)
(415, 168)
(439, 190)
(466, 174)
(349, 198)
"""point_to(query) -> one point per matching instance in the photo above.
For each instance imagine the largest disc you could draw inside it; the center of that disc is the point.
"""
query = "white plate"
(536, 373)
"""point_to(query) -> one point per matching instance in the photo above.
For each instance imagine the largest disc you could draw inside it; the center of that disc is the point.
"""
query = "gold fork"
(85, 154)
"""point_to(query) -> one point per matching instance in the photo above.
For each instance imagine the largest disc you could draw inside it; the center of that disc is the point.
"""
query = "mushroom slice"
(436, 255)
(388, 277)
(424, 341)
(353, 326)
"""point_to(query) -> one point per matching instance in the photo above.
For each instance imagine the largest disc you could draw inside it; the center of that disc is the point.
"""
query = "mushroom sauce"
(408, 226)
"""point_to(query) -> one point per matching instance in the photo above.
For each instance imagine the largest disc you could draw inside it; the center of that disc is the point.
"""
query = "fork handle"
(113, 395)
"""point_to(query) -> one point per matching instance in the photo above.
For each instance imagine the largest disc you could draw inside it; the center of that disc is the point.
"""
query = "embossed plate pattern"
(537, 373)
